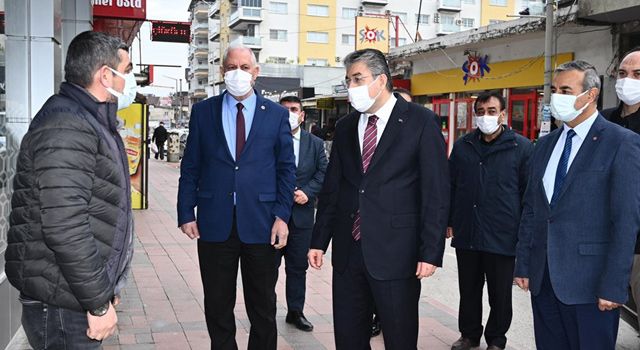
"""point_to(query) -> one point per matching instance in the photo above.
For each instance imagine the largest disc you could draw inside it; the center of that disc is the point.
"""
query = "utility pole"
(225, 13)
(545, 125)
(180, 97)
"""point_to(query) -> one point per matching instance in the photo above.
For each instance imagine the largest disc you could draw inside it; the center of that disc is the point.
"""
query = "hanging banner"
(372, 33)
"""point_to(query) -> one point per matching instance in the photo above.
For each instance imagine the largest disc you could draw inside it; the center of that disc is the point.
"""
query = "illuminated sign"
(123, 9)
(475, 67)
(173, 32)
(372, 33)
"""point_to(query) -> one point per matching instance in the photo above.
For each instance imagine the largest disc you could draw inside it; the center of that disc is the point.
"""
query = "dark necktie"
(563, 165)
(239, 131)
(369, 144)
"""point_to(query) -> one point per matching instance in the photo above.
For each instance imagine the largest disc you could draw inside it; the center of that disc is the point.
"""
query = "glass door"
(523, 113)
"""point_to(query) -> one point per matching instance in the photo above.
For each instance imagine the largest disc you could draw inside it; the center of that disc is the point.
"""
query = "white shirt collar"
(583, 128)
(296, 135)
(384, 112)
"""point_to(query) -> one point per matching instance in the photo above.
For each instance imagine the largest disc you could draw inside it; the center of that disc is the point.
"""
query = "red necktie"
(369, 144)
(239, 131)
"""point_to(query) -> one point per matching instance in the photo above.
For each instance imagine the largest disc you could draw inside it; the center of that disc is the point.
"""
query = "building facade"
(197, 74)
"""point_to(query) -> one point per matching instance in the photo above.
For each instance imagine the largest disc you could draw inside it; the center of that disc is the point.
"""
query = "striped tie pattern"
(563, 164)
(369, 144)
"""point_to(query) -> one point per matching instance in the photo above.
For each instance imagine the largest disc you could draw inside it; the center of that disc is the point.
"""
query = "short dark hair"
(486, 96)
(293, 99)
(591, 79)
(88, 52)
(402, 90)
(375, 61)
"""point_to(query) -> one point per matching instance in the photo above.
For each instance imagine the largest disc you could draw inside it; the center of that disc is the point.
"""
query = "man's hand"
(300, 197)
(523, 283)
(102, 327)
(449, 232)
(190, 229)
(425, 270)
(280, 230)
(116, 300)
(606, 305)
(315, 258)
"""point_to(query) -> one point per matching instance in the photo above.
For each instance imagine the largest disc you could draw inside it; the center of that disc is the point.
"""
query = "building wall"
(308, 23)
(271, 49)
(491, 10)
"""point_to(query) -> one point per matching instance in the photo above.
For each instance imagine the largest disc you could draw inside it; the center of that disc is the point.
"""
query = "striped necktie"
(369, 143)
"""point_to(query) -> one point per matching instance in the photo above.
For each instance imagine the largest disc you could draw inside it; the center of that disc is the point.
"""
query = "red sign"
(123, 9)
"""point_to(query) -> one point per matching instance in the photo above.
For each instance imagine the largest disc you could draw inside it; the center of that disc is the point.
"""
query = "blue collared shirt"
(229, 114)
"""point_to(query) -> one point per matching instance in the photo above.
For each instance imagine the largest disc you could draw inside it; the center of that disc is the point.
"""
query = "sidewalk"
(162, 306)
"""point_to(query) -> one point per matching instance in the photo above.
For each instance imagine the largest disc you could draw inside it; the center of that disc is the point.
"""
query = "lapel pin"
(401, 120)
(595, 138)
(262, 108)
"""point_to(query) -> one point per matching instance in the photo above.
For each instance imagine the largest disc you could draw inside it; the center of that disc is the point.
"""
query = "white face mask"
(563, 107)
(128, 94)
(294, 120)
(488, 124)
(360, 99)
(628, 91)
(238, 82)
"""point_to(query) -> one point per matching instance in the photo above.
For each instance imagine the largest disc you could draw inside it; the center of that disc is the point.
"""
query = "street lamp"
(179, 95)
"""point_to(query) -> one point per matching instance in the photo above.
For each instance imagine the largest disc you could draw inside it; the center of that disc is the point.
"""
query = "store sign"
(123, 9)
(475, 67)
(372, 33)
(172, 32)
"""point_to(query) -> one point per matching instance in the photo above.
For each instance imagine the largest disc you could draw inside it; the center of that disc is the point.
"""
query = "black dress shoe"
(464, 344)
(297, 319)
(375, 327)
(494, 347)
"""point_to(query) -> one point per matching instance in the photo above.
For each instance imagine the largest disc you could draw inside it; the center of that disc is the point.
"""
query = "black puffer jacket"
(70, 224)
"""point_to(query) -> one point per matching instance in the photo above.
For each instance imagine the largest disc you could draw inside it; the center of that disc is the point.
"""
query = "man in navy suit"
(311, 164)
(384, 203)
(580, 219)
(239, 171)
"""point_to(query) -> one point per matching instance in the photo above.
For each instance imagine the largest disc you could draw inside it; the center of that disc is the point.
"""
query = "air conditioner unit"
(338, 59)
(436, 18)
(458, 22)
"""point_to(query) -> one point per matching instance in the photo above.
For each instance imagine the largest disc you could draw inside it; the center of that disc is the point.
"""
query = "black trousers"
(296, 265)
(219, 272)
(354, 295)
(473, 268)
(160, 150)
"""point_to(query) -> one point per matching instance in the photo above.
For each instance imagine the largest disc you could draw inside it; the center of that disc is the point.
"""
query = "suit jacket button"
(361, 191)
(352, 216)
(237, 167)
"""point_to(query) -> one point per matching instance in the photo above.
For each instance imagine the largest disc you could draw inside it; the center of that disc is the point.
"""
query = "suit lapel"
(303, 151)
(353, 143)
(396, 119)
(589, 146)
(216, 112)
(259, 115)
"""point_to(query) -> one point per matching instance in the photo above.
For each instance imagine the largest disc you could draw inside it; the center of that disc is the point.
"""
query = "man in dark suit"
(580, 219)
(384, 203)
(238, 170)
(160, 137)
(311, 163)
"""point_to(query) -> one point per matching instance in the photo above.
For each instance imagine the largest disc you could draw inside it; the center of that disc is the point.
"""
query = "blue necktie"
(563, 164)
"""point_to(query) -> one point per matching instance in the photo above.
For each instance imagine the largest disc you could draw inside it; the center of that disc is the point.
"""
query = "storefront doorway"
(523, 112)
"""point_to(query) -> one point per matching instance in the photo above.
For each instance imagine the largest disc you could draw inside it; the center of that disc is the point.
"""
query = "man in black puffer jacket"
(70, 236)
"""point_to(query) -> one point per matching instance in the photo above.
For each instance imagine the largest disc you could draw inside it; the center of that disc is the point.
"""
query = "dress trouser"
(296, 265)
(219, 272)
(635, 283)
(473, 268)
(354, 294)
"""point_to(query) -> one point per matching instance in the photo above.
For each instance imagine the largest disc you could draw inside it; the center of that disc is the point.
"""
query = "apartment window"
(318, 37)
(200, 82)
(317, 62)
(401, 15)
(401, 41)
(349, 12)
(279, 60)
(446, 19)
(251, 3)
(424, 19)
(279, 8)
(495, 21)
(469, 2)
(318, 10)
(278, 34)
(498, 2)
(348, 39)
(468, 22)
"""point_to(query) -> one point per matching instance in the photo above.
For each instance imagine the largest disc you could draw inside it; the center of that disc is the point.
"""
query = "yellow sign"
(527, 72)
(134, 133)
(372, 33)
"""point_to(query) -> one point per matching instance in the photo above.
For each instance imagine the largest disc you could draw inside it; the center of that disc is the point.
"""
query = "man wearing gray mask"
(627, 115)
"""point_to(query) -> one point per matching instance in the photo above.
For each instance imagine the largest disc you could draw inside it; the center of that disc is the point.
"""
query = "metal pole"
(180, 97)
(548, 47)
(418, 22)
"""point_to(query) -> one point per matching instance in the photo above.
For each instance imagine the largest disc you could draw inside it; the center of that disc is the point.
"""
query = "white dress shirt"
(383, 114)
(296, 145)
(549, 178)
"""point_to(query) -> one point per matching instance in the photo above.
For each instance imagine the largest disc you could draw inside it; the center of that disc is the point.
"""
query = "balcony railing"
(251, 14)
(447, 28)
(249, 41)
(214, 9)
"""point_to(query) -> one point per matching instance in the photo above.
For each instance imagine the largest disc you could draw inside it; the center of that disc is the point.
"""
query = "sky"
(154, 52)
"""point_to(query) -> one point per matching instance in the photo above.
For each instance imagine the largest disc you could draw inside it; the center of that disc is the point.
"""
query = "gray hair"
(87, 53)
(591, 79)
(232, 47)
(374, 60)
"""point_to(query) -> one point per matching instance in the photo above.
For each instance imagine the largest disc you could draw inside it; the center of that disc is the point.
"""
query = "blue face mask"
(128, 94)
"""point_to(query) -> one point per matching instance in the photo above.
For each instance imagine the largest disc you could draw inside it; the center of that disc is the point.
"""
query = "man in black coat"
(70, 240)
(627, 114)
(384, 203)
(160, 137)
(311, 164)
(489, 170)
